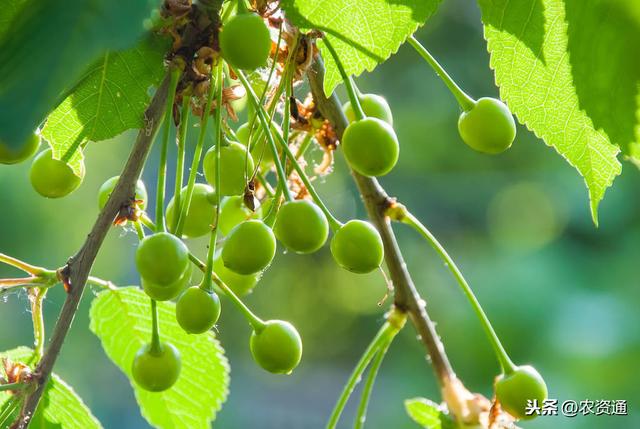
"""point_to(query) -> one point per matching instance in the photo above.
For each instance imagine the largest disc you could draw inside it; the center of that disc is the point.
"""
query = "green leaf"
(59, 408)
(363, 33)
(427, 414)
(122, 320)
(46, 47)
(110, 99)
(566, 69)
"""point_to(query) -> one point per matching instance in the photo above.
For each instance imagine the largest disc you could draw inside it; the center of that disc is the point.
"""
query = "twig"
(376, 200)
(80, 265)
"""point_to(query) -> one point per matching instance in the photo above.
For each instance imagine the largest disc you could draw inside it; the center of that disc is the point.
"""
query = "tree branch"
(79, 266)
(376, 200)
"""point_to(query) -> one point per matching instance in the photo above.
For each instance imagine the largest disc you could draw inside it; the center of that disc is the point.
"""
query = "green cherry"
(488, 127)
(162, 258)
(373, 105)
(109, 185)
(277, 348)
(236, 168)
(370, 147)
(357, 247)
(165, 292)
(301, 226)
(513, 390)
(197, 310)
(53, 178)
(156, 370)
(15, 155)
(240, 284)
(201, 212)
(245, 41)
(234, 211)
(249, 247)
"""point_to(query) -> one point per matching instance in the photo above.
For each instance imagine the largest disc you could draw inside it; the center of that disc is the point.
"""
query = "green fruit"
(373, 105)
(162, 258)
(249, 248)
(513, 390)
(260, 149)
(156, 370)
(53, 178)
(240, 284)
(165, 292)
(14, 155)
(245, 41)
(234, 211)
(357, 247)
(301, 226)
(197, 310)
(488, 127)
(370, 147)
(236, 168)
(277, 348)
(201, 214)
(107, 188)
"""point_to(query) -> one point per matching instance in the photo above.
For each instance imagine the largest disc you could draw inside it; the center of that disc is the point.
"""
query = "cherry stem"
(384, 336)
(282, 178)
(406, 217)
(156, 347)
(242, 7)
(348, 84)
(27, 268)
(465, 102)
(195, 163)
(361, 414)
(162, 168)
(206, 282)
(36, 297)
(333, 222)
(181, 140)
(12, 386)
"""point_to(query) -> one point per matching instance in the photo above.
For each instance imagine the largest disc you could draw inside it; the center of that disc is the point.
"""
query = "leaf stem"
(333, 222)
(351, 91)
(404, 216)
(181, 140)
(465, 102)
(162, 169)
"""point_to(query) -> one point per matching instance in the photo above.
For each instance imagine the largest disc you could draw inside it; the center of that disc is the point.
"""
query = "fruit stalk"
(403, 215)
(465, 102)
(80, 265)
(333, 222)
(406, 297)
(348, 83)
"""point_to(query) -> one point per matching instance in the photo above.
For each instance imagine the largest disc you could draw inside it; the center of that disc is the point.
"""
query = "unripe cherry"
(488, 127)
(277, 348)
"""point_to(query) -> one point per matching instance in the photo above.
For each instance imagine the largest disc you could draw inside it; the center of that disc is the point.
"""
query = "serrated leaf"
(59, 408)
(47, 46)
(110, 99)
(122, 320)
(427, 414)
(565, 70)
(363, 33)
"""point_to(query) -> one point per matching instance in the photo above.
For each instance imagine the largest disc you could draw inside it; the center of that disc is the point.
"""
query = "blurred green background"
(561, 293)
